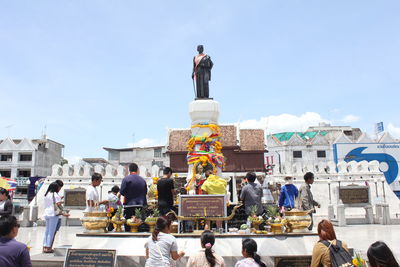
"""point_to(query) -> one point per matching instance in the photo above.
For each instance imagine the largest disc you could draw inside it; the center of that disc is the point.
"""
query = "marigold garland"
(209, 152)
(213, 127)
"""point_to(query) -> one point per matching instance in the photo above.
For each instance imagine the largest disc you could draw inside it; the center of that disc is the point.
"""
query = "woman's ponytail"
(207, 241)
(257, 259)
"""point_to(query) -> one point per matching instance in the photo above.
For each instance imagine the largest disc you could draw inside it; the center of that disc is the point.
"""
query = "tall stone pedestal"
(204, 147)
(204, 111)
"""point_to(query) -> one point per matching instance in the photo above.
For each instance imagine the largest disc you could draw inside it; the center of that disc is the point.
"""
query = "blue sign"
(357, 155)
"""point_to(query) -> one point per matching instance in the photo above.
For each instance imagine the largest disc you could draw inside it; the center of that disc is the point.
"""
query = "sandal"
(48, 250)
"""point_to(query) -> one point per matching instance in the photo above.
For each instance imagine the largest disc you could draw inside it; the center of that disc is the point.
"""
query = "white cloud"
(285, 122)
(73, 159)
(145, 142)
(393, 130)
(350, 118)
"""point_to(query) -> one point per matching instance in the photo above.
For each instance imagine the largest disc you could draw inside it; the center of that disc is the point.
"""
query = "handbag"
(58, 209)
(162, 257)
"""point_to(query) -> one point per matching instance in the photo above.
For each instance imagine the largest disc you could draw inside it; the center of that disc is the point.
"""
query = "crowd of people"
(161, 248)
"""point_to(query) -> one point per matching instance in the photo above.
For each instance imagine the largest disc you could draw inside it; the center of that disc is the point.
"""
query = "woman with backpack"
(329, 251)
(380, 255)
(249, 252)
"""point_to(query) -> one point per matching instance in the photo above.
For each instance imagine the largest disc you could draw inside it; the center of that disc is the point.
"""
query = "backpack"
(338, 255)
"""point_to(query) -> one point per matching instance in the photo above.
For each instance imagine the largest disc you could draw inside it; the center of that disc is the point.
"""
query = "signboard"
(202, 206)
(387, 154)
(354, 194)
(271, 159)
(90, 257)
(75, 197)
(295, 261)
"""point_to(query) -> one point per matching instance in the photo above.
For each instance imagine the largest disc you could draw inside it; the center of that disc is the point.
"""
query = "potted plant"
(254, 219)
(274, 219)
(135, 221)
(118, 219)
(152, 219)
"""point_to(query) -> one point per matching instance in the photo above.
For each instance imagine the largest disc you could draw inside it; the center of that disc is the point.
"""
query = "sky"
(99, 73)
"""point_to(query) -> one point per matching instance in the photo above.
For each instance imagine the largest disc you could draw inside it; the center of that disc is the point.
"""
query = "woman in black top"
(6, 205)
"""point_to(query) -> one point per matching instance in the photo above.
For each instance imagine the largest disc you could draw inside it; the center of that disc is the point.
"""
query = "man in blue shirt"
(289, 193)
(12, 252)
(134, 190)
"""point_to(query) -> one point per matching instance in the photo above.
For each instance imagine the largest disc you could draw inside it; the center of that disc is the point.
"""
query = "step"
(48, 260)
(61, 250)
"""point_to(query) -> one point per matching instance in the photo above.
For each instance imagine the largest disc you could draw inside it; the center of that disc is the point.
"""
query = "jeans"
(312, 223)
(51, 228)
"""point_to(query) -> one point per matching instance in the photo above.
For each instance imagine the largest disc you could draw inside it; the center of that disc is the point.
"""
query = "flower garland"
(209, 150)
(213, 127)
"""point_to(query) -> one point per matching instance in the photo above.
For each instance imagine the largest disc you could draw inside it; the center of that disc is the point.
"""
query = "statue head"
(200, 49)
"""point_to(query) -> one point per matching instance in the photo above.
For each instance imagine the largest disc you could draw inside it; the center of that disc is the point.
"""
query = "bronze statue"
(202, 66)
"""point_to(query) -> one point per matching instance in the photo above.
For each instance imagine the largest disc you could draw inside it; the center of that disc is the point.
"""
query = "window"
(24, 173)
(159, 163)
(297, 154)
(5, 173)
(157, 152)
(6, 157)
(25, 157)
(321, 154)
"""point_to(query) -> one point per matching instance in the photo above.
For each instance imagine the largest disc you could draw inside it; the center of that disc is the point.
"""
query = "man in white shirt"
(92, 195)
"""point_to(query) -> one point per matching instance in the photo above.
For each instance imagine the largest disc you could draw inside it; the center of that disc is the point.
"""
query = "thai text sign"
(202, 206)
(354, 194)
(75, 197)
(293, 261)
(90, 257)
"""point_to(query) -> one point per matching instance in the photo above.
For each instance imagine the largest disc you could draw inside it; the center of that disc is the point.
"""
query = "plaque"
(293, 261)
(202, 206)
(354, 194)
(75, 197)
(90, 257)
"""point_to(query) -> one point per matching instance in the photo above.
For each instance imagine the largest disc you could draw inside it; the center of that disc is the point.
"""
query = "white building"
(28, 157)
(298, 152)
(309, 147)
(142, 156)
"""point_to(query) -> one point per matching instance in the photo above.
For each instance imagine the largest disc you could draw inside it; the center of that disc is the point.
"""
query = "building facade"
(298, 152)
(310, 147)
(243, 149)
(143, 156)
(28, 157)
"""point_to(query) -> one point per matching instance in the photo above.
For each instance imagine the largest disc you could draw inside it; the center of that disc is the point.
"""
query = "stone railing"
(329, 169)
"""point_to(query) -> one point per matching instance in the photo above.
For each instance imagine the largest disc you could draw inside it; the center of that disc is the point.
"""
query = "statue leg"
(206, 90)
(198, 86)
(202, 87)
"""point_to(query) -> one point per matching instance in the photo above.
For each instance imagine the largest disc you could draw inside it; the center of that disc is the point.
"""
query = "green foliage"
(272, 211)
(253, 210)
(156, 213)
(138, 214)
(63, 161)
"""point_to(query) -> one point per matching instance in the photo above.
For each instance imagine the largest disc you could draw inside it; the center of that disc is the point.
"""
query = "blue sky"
(97, 72)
